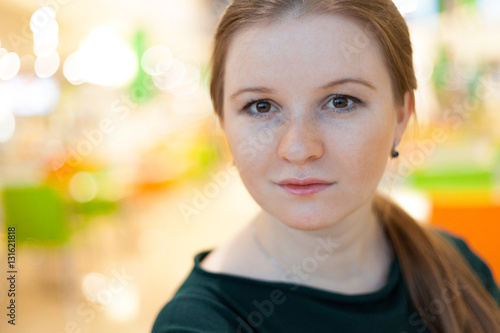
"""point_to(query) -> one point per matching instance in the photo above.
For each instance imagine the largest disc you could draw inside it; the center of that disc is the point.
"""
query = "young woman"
(314, 97)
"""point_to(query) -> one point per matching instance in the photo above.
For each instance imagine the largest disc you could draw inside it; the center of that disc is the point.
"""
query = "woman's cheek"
(367, 160)
(252, 144)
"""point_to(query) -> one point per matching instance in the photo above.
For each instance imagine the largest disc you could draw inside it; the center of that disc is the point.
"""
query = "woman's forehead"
(313, 47)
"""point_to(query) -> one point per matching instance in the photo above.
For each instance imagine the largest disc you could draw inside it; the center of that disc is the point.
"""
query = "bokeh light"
(124, 304)
(42, 50)
(7, 124)
(121, 300)
(105, 59)
(93, 285)
(189, 83)
(42, 18)
(48, 35)
(406, 6)
(9, 66)
(46, 66)
(31, 96)
(83, 186)
(172, 77)
(45, 32)
(156, 60)
(72, 69)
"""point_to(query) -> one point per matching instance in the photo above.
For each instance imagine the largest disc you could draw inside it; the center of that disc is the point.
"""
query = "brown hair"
(430, 264)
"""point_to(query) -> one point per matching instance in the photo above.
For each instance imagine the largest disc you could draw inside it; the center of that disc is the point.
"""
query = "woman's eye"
(262, 107)
(259, 108)
(343, 103)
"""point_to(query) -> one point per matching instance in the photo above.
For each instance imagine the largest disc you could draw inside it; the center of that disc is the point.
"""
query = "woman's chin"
(307, 222)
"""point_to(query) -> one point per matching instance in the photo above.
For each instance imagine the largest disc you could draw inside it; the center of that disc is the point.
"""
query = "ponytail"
(431, 265)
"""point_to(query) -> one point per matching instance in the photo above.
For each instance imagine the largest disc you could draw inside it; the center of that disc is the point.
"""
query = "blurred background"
(114, 172)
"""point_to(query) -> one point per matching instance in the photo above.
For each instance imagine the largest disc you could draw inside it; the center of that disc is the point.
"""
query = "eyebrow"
(331, 84)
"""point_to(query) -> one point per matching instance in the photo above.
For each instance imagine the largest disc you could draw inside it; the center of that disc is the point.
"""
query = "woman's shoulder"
(206, 300)
(475, 260)
(463, 246)
(200, 302)
(194, 311)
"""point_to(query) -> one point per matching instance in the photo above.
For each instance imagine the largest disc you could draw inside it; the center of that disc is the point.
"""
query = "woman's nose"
(301, 141)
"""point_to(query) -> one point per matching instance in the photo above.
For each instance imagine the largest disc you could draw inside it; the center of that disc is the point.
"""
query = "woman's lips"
(304, 190)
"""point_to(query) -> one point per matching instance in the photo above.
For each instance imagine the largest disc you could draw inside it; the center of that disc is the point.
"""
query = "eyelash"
(356, 101)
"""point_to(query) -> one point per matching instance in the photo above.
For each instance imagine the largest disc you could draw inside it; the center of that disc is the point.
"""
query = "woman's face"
(325, 111)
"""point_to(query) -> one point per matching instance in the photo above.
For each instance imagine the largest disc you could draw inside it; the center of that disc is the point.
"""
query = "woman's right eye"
(258, 108)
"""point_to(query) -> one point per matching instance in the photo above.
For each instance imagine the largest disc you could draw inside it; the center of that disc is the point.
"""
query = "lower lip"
(304, 190)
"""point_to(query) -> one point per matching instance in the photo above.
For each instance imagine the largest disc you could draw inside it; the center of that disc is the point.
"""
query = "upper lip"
(305, 181)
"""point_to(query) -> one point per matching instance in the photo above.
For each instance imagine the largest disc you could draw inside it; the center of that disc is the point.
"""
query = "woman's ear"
(404, 113)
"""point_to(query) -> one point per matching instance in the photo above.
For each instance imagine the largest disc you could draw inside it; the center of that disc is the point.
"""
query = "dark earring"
(394, 153)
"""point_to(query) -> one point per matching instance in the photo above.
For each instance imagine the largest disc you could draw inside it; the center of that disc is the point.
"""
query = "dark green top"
(214, 302)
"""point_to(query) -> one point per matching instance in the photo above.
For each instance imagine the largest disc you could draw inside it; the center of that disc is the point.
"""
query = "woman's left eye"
(341, 103)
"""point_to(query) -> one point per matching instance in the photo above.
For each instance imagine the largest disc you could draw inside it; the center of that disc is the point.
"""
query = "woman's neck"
(352, 256)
